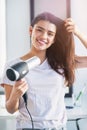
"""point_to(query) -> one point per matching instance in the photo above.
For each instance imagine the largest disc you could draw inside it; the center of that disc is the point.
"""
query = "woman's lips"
(42, 42)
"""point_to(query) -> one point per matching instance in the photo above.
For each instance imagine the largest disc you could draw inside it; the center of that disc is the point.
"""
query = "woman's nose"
(44, 35)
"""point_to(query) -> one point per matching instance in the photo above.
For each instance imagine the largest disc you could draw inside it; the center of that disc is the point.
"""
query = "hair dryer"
(20, 69)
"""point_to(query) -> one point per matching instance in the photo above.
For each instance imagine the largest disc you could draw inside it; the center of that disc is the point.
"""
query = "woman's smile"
(42, 42)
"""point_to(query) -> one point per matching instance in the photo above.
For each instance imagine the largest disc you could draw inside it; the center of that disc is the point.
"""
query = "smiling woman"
(54, 8)
(48, 35)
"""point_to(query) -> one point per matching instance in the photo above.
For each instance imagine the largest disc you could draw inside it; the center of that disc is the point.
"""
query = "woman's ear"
(30, 30)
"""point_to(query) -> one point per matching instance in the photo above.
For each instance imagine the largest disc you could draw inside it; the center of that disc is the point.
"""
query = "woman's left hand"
(71, 26)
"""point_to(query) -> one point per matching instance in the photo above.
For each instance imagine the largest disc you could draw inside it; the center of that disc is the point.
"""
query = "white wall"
(2, 36)
(17, 25)
(16, 42)
(78, 13)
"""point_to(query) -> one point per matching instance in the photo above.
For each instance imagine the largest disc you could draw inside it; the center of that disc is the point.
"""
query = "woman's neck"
(40, 54)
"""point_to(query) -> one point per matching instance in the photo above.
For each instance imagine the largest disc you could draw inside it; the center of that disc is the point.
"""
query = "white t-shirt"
(45, 98)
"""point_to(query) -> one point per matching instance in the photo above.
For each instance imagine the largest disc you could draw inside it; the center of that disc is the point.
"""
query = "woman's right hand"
(19, 88)
(13, 94)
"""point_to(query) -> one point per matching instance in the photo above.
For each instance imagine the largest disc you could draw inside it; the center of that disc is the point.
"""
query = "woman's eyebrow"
(44, 29)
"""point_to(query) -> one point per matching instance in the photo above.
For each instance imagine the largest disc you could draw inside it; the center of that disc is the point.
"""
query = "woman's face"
(43, 34)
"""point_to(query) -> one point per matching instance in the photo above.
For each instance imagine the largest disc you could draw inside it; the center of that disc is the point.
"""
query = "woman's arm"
(12, 103)
(13, 94)
(81, 61)
(71, 27)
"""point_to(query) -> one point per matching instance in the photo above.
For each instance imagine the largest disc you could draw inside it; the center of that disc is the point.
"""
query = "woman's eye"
(39, 30)
(50, 34)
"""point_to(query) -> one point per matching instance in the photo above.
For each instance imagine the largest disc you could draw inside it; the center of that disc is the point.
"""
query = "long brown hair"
(61, 54)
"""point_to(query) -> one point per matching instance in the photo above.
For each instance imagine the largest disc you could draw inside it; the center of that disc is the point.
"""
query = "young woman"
(52, 41)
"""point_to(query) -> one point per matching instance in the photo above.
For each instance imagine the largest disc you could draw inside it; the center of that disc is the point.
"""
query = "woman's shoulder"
(13, 61)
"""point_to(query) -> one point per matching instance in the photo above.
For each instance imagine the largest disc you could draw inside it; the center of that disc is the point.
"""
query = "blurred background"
(15, 19)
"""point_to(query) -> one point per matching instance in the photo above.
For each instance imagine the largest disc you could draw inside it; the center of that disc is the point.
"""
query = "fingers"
(19, 82)
(21, 87)
(70, 29)
(69, 25)
(68, 19)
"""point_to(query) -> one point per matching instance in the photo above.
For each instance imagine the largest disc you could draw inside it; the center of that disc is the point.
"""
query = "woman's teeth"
(42, 42)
